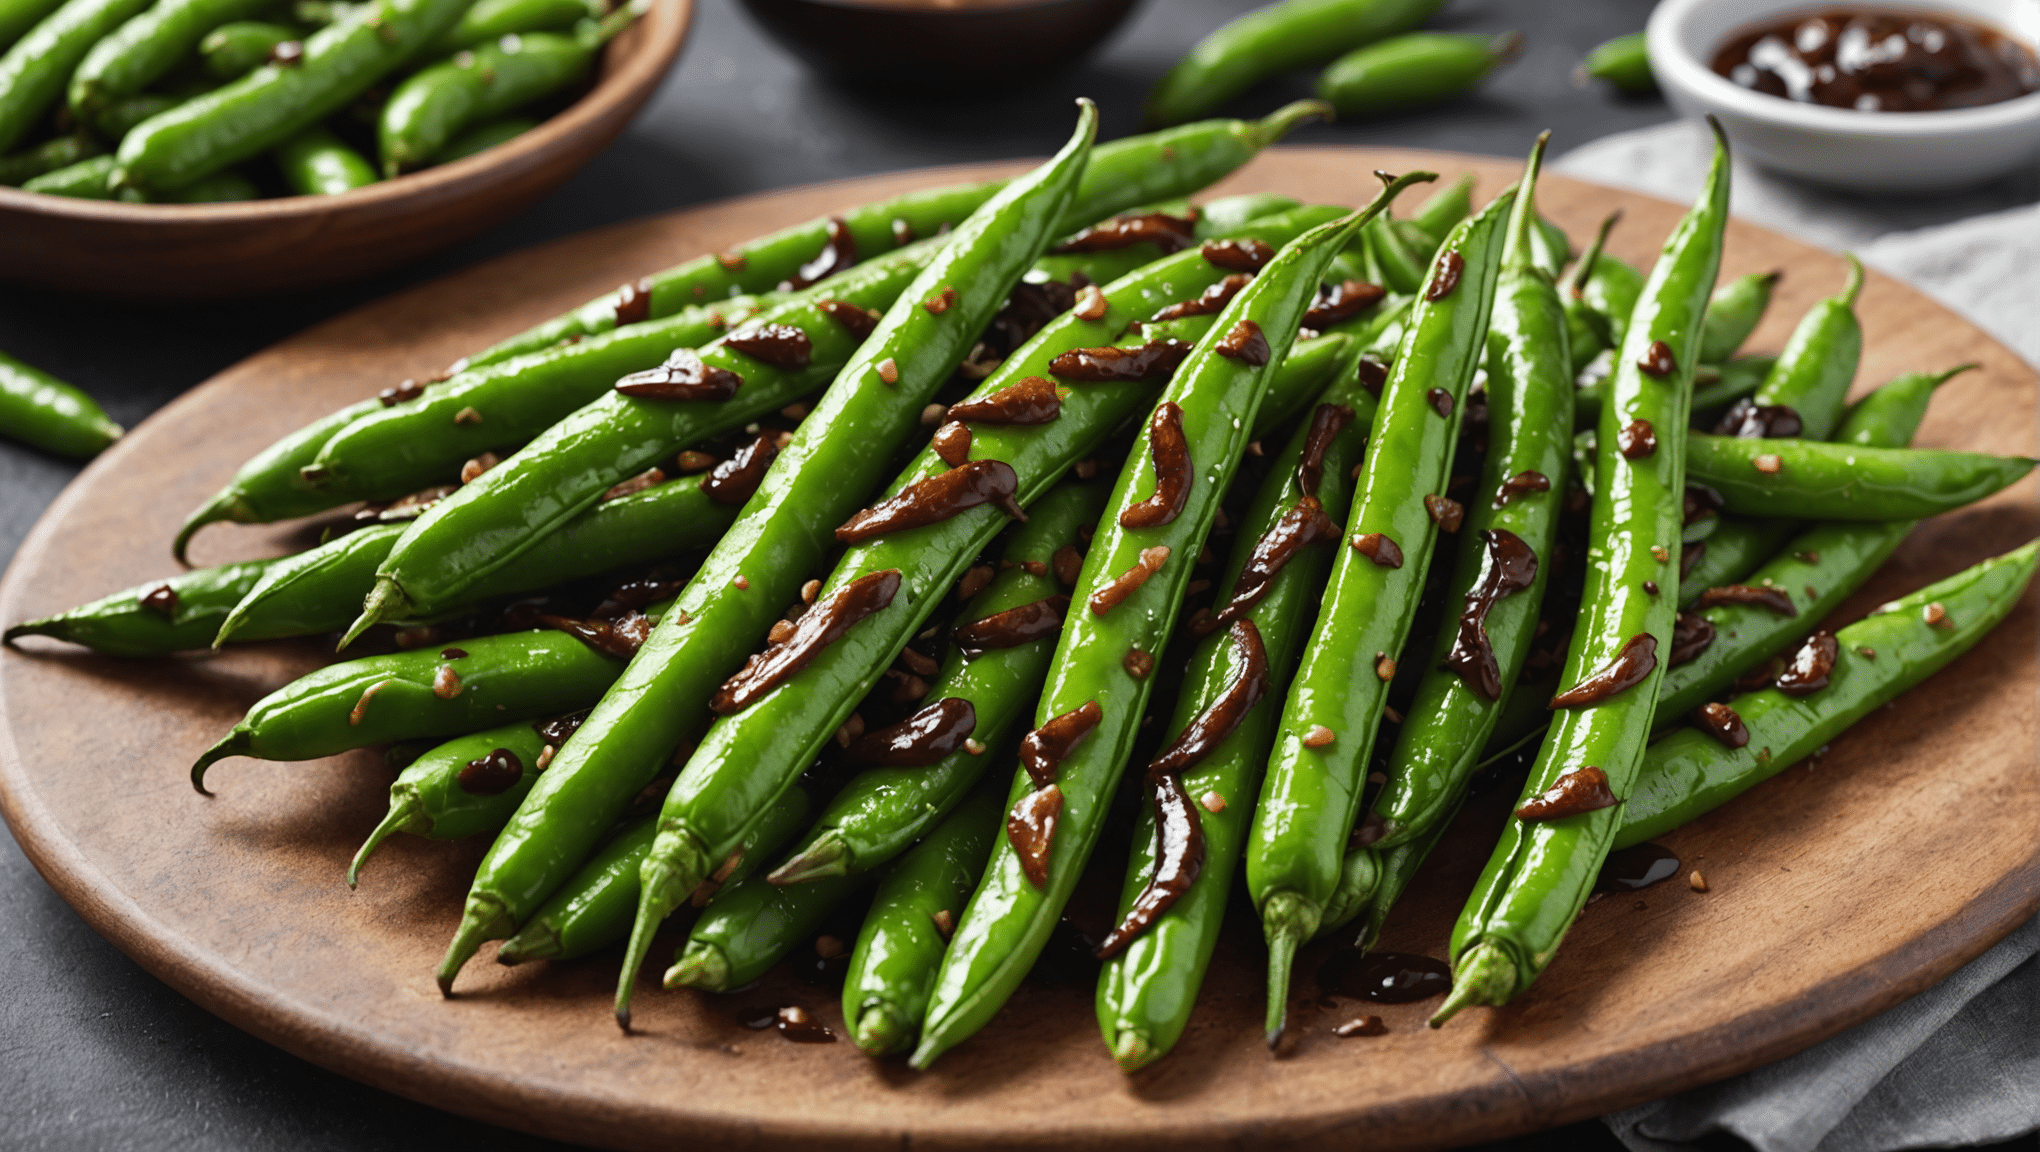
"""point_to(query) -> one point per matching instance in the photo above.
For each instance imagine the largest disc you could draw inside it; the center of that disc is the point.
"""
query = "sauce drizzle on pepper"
(1154, 360)
(1521, 484)
(1246, 344)
(1808, 669)
(1774, 599)
(1445, 277)
(1171, 453)
(1579, 791)
(855, 320)
(818, 627)
(684, 376)
(929, 735)
(937, 498)
(733, 481)
(1110, 594)
(1210, 302)
(1243, 255)
(1690, 637)
(1171, 234)
(1340, 302)
(780, 345)
(1326, 422)
(1303, 524)
(1032, 400)
(1043, 750)
(1630, 667)
(1012, 628)
(1030, 828)
(838, 252)
(1721, 722)
(1511, 567)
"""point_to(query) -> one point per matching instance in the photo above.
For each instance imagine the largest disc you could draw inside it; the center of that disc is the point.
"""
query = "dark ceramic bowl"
(918, 44)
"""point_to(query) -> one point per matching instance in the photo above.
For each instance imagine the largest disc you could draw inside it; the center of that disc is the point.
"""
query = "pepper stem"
(1582, 268)
(671, 871)
(534, 941)
(700, 965)
(882, 1031)
(829, 855)
(1286, 119)
(233, 744)
(1484, 975)
(52, 626)
(1943, 378)
(228, 505)
(405, 811)
(1523, 213)
(1287, 920)
(1854, 286)
(484, 918)
(1132, 1050)
(385, 601)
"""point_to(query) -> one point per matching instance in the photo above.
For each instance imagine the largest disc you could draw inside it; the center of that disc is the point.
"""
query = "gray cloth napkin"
(1960, 1063)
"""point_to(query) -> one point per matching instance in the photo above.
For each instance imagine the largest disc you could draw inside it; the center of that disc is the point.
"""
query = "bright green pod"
(1812, 375)
(753, 925)
(1271, 40)
(1401, 267)
(34, 69)
(1733, 312)
(89, 179)
(171, 615)
(40, 410)
(1586, 332)
(1413, 70)
(1731, 552)
(148, 45)
(1442, 210)
(317, 163)
(1609, 292)
(48, 156)
(1732, 381)
(268, 487)
(1810, 480)
(18, 16)
(490, 20)
(233, 50)
(1623, 62)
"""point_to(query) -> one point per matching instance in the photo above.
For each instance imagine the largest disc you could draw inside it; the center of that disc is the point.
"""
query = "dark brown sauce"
(952, 444)
(1030, 828)
(1154, 360)
(733, 481)
(1808, 669)
(1699, 502)
(1246, 344)
(558, 730)
(793, 1023)
(634, 302)
(1690, 556)
(838, 252)
(1630, 667)
(1110, 594)
(1690, 637)
(1029, 308)
(1379, 548)
(403, 393)
(932, 734)
(1445, 277)
(1658, 360)
(1747, 421)
(1208, 730)
(1043, 750)
(1171, 453)
(1179, 858)
(1210, 302)
(1326, 422)
(1243, 255)
(1301, 525)
(1169, 233)
(684, 376)
(1012, 628)
(1637, 440)
(1372, 374)
(855, 320)
(819, 627)
(1879, 60)
(780, 345)
(1338, 303)
(1444, 511)
(1511, 567)
(1775, 600)
(453, 653)
(1440, 401)
(1521, 484)
(1578, 791)
(1383, 977)
(162, 600)
(620, 637)
(937, 498)
(1636, 867)
(492, 774)
(1721, 722)
(1032, 400)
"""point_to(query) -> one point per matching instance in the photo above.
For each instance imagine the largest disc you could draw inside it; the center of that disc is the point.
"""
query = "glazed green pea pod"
(1732, 381)
(48, 156)
(44, 412)
(1137, 170)
(251, 115)
(148, 45)
(169, 615)
(90, 179)
(1691, 771)
(18, 16)
(268, 487)
(317, 163)
(464, 787)
(485, 136)
(592, 910)
(751, 926)
(235, 49)
(1812, 375)
(1810, 480)
(1311, 793)
(1543, 869)
(1889, 416)
(1123, 609)
(33, 70)
(504, 405)
(1150, 981)
(1733, 551)
(1271, 40)
(1733, 312)
(1586, 335)
(914, 908)
(823, 471)
(410, 695)
(1402, 268)
(1623, 62)
(1445, 208)
(1412, 70)
(218, 188)
(884, 809)
(491, 20)
(1609, 291)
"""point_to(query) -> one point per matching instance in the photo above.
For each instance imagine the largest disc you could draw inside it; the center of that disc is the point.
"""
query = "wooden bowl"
(934, 46)
(212, 251)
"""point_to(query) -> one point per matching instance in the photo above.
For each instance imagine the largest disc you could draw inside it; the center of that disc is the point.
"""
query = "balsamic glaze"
(855, 320)
(780, 345)
(1872, 60)
(838, 252)
(1032, 400)
(1721, 722)
(1112, 592)
(1636, 440)
(819, 627)
(558, 730)
(684, 376)
(1690, 637)
(1243, 255)
(1171, 453)
(1246, 344)
(1379, 548)
(1012, 628)
(1521, 484)
(162, 600)
(1208, 730)
(1045, 748)
(1030, 828)
(952, 444)
(1511, 567)
(1301, 525)
(1179, 859)
(1808, 669)
(937, 498)
(1383, 977)
(1169, 233)
(1773, 599)
(1340, 302)
(634, 302)
(1747, 421)
(1658, 360)
(620, 637)
(1326, 422)
(492, 774)
(1578, 791)
(1445, 277)
(1210, 302)
(1154, 360)
(1440, 401)
(1630, 667)
(932, 734)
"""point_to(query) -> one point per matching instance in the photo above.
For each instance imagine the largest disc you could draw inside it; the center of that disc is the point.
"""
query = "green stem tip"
(669, 874)
(700, 965)
(385, 601)
(882, 1031)
(1132, 1050)
(1288, 118)
(228, 505)
(1287, 920)
(404, 810)
(1485, 975)
(829, 855)
(233, 744)
(484, 918)
(1854, 286)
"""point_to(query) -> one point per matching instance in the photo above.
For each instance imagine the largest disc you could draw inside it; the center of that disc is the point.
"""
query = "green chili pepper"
(48, 156)
(148, 620)
(1311, 793)
(1609, 291)
(40, 410)
(316, 163)
(1137, 568)
(1412, 70)
(483, 137)
(268, 487)
(1732, 381)
(18, 16)
(1733, 312)
(90, 179)
(1733, 551)
(34, 69)
(1542, 871)
(827, 467)
(1146, 990)
(416, 694)
(233, 50)
(1586, 333)
(1623, 62)
(1445, 208)
(151, 43)
(461, 788)
(490, 20)
(1271, 40)
(1813, 373)
(1549, 248)
(1400, 268)
(751, 926)
(1810, 480)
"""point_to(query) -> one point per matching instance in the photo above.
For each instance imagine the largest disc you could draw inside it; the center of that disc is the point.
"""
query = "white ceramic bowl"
(1871, 151)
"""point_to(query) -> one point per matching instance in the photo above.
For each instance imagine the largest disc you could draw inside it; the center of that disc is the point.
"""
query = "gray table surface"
(96, 1053)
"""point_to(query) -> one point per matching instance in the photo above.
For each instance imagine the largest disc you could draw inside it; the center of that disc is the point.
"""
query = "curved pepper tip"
(229, 745)
(1132, 1051)
(401, 813)
(1288, 118)
(881, 1031)
(700, 965)
(1287, 920)
(1485, 975)
(385, 601)
(828, 856)
(227, 506)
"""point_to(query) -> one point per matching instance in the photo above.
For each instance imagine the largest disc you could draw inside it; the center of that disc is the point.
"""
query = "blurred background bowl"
(1840, 147)
(933, 45)
(215, 251)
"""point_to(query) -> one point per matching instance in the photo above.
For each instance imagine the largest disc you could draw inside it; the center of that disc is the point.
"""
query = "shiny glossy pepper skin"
(89, 179)
(1733, 312)
(1120, 175)
(123, 625)
(753, 925)
(491, 20)
(235, 49)
(34, 69)
(1443, 209)
(1412, 70)
(1542, 872)
(428, 798)
(1689, 773)
(1270, 40)
(1812, 375)
(379, 699)
(1009, 919)
(1817, 481)
(317, 163)
(1586, 333)
(1733, 552)
(18, 16)
(900, 946)
(1623, 62)
(1146, 992)
(43, 412)
(268, 487)
(275, 102)
(1310, 795)
(148, 45)
(828, 467)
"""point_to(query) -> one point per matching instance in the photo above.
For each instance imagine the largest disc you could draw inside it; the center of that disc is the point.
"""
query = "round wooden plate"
(1838, 889)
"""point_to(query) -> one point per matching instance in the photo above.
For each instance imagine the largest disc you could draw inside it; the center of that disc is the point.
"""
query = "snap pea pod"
(268, 487)
(1147, 989)
(89, 179)
(409, 695)
(33, 70)
(1121, 174)
(317, 163)
(1732, 381)
(1812, 375)
(753, 925)
(1542, 871)
(1270, 40)
(1894, 648)
(1733, 551)
(1396, 265)
(40, 410)
(235, 49)
(438, 797)
(917, 901)
(18, 16)
(1212, 399)
(1311, 793)
(1444, 208)
(1733, 312)
(829, 465)
(502, 406)
(170, 615)
(483, 137)
(48, 156)
(148, 45)
(883, 810)
(1412, 70)
(251, 115)
(1623, 62)
(490, 20)
(1586, 333)
(1811, 480)
(593, 908)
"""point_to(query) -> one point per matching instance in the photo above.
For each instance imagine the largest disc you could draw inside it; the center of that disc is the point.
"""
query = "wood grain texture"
(1838, 889)
(217, 251)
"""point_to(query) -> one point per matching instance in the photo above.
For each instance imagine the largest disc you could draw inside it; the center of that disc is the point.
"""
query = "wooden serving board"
(1838, 889)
